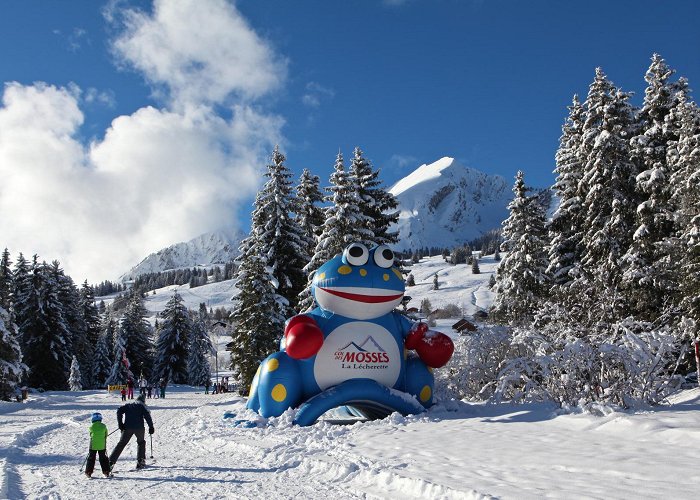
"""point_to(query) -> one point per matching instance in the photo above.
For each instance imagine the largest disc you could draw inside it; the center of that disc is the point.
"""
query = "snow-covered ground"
(456, 450)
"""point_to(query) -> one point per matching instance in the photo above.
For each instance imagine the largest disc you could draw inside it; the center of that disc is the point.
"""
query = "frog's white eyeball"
(384, 257)
(356, 254)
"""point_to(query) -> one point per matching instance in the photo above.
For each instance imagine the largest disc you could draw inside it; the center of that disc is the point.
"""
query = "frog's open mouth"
(362, 297)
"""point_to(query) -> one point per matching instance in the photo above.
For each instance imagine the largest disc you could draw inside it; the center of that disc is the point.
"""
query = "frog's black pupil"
(388, 254)
(356, 252)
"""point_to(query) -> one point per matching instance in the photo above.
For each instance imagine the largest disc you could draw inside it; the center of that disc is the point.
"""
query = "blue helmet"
(97, 417)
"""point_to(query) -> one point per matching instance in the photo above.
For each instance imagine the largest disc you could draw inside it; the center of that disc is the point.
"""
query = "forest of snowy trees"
(52, 335)
(605, 294)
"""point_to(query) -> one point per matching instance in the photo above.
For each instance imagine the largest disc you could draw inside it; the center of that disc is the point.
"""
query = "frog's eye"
(356, 254)
(383, 256)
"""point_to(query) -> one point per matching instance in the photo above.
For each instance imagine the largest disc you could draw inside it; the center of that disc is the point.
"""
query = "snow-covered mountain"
(217, 247)
(445, 204)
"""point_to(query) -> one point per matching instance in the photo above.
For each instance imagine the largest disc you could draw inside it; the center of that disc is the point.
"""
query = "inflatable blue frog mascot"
(353, 349)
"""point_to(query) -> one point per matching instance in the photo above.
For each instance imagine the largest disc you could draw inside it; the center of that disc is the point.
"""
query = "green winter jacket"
(98, 436)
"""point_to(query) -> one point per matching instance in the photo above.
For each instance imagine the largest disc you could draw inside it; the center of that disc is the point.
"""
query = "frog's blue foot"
(364, 393)
(419, 381)
(276, 386)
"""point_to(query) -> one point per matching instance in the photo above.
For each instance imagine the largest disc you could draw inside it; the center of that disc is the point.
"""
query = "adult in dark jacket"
(133, 415)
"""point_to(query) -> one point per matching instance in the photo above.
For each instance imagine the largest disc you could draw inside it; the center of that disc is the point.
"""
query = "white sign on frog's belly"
(358, 349)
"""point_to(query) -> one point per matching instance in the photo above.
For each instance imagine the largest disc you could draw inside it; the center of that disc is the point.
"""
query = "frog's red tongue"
(369, 299)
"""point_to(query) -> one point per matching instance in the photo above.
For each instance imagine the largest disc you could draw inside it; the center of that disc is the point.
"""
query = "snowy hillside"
(456, 450)
(445, 204)
(218, 247)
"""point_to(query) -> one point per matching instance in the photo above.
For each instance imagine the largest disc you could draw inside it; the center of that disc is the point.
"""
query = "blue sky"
(201, 90)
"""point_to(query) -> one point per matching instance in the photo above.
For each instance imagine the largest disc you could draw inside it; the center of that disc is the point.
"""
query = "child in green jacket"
(98, 444)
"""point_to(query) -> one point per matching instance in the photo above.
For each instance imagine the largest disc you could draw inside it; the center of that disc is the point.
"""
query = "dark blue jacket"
(134, 414)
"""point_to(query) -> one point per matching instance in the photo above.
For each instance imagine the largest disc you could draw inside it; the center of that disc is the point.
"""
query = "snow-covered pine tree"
(200, 350)
(74, 378)
(137, 335)
(102, 361)
(309, 214)
(521, 279)
(170, 361)
(564, 228)
(377, 205)
(475, 266)
(279, 239)
(436, 283)
(120, 371)
(45, 336)
(11, 366)
(344, 224)
(684, 156)
(649, 276)
(5, 280)
(609, 204)
(91, 318)
(258, 318)
(71, 308)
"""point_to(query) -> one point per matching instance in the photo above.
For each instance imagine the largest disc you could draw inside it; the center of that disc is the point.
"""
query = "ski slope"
(456, 450)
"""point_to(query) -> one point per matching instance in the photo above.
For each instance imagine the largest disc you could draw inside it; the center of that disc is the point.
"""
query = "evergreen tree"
(308, 212)
(475, 266)
(377, 205)
(258, 318)
(45, 336)
(649, 275)
(521, 278)
(436, 283)
(11, 366)
(344, 224)
(279, 239)
(74, 382)
(684, 156)
(102, 362)
(5, 280)
(564, 246)
(136, 331)
(120, 371)
(200, 350)
(410, 280)
(609, 203)
(171, 347)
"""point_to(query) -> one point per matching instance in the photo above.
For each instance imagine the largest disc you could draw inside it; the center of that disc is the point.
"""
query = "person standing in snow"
(133, 414)
(206, 386)
(142, 385)
(98, 444)
(130, 388)
(163, 385)
(123, 392)
(149, 388)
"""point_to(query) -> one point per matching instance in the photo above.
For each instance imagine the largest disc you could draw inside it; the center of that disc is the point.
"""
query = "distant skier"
(134, 415)
(163, 384)
(142, 385)
(98, 444)
(123, 392)
(149, 388)
(207, 383)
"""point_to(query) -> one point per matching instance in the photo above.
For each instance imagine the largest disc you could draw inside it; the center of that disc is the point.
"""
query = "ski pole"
(84, 462)
(115, 430)
(151, 445)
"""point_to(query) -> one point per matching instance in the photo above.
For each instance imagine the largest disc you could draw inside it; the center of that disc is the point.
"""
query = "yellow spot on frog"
(397, 273)
(279, 393)
(424, 393)
(322, 276)
(345, 269)
(272, 365)
(363, 272)
(386, 277)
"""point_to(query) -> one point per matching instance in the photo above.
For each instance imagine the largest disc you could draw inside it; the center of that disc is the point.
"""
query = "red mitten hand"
(303, 337)
(435, 349)
(415, 335)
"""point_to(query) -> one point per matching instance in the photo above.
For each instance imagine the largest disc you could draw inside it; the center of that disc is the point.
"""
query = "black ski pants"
(104, 462)
(124, 440)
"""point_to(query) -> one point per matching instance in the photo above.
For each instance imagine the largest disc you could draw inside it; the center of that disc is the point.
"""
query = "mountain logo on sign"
(369, 351)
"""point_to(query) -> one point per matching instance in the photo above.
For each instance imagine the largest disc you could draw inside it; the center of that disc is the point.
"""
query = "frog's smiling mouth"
(367, 295)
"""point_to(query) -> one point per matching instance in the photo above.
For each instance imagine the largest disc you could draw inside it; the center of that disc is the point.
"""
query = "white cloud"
(159, 176)
(315, 93)
(200, 51)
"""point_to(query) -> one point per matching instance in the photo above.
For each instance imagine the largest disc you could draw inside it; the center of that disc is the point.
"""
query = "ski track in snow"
(455, 451)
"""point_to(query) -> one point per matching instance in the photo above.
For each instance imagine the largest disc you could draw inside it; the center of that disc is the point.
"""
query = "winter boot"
(88, 474)
(140, 464)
